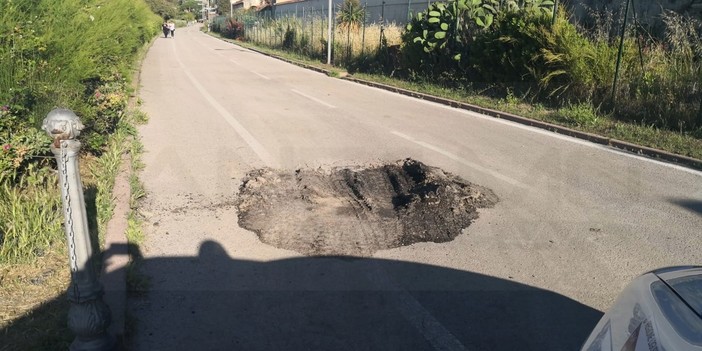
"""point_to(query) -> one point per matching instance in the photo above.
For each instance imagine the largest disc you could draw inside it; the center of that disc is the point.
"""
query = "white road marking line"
(581, 142)
(257, 147)
(233, 61)
(461, 160)
(258, 74)
(313, 98)
(433, 331)
(542, 132)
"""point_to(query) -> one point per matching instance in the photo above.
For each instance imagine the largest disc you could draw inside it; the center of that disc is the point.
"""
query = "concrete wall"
(648, 11)
(394, 10)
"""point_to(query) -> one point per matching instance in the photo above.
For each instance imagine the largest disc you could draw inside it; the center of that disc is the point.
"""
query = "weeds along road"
(574, 224)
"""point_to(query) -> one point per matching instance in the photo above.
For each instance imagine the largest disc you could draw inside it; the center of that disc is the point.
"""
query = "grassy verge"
(580, 117)
(33, 307)
(74, 54)
(333, 71)
(137, 283)
(34, 271)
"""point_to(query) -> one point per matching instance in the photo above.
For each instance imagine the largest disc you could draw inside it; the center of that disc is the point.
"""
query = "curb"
(116, 252)
(116, 256)
(296, 63)
(594, 138)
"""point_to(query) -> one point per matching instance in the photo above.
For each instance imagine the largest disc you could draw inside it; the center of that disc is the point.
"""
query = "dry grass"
(310, 37)
(368, 42)
(33, 306)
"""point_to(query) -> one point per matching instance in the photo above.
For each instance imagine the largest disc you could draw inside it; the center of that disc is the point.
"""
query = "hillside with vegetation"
(76, 54)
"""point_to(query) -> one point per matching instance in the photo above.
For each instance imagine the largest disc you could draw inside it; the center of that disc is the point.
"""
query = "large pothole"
(357, 211)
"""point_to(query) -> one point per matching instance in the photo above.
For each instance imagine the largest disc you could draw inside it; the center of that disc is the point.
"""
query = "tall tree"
(223, 7)
(163, 8)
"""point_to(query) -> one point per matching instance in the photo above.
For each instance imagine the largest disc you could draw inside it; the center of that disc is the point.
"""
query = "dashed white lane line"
(312, 98)
(541, 131)
(233, 61)
(257, 147)
(412, 310)
(461, 160)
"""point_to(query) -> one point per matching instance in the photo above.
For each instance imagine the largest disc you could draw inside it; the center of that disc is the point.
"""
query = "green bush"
(442, 39)
(164, 8)
(74, 54)
(65, 53)
(21, 146)
(233, 29)
(549, 57)
(582, 114)
(217, 24)
(665, 91)
(30, 216)
(229, 27)
(289, 37)
(437, 40)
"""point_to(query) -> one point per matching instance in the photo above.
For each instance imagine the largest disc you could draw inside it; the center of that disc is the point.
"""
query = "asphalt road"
(575, 221)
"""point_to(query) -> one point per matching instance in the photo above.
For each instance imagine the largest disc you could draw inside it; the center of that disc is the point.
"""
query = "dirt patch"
(357, 211)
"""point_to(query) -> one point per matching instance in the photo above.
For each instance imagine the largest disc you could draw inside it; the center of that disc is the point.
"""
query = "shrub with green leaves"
(233, 29)
(21, 146)
(74, 54)
(664, 90)
(30, 216)
(64, 53)
(548, 56)
(441, 38)
(164, 8)
(435, 40)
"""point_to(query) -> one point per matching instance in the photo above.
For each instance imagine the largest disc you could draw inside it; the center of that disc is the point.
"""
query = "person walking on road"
(166, 29)
(171, 27)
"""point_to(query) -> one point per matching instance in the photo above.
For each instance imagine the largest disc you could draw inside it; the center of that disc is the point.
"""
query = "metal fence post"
(312, 50)
(330, 37)
(363, 33)
(382, 25)
(348, 43)
(619, 54)
(332, 40)
(88, 316)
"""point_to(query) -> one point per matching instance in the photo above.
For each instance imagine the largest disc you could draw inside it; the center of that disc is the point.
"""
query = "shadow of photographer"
(214, 302)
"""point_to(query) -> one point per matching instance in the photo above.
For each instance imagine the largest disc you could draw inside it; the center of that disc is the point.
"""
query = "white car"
(660, 310)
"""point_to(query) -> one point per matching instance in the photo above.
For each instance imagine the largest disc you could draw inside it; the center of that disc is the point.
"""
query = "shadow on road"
(214, 302)
(688, 204)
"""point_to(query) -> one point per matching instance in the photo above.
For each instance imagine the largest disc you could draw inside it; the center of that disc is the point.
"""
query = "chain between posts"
(69, 216)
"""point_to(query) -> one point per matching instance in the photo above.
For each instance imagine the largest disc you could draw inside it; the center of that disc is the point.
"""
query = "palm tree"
(351, 14)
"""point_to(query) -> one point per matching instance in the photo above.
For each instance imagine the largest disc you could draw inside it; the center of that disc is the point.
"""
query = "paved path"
(575, 222)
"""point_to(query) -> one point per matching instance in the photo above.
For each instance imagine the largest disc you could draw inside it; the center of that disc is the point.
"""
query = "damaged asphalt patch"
(357, 211)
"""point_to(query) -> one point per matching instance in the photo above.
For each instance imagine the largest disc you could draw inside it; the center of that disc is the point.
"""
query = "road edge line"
(624, 146)
(636, 149)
